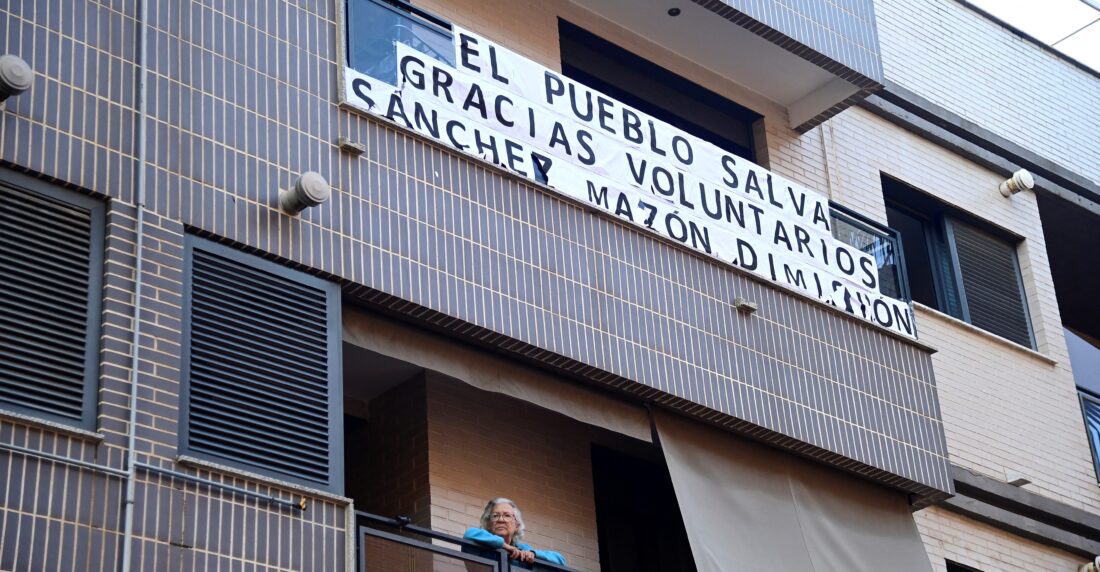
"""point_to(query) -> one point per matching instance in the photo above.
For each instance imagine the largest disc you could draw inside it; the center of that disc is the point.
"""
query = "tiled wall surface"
(960, 60)
(242, 98)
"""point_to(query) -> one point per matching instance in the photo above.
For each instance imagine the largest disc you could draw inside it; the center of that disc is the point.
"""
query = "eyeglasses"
(502, 516)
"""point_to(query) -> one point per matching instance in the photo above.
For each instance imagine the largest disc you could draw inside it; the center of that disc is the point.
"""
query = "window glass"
(375, 27)
(1090, 407)
(918, 263)
(645, 86)
(1084, 358)
(881, 243)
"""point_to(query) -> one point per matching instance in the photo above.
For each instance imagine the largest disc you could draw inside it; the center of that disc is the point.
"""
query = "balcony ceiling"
(803, 88)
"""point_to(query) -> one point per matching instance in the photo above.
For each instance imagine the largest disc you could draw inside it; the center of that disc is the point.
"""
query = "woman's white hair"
(520, 528)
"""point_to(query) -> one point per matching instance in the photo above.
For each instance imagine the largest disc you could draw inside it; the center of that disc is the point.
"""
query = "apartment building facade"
(714, 285)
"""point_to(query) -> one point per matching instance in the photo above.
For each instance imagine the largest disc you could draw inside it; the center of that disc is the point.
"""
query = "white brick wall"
(949, 536)
(961, 60)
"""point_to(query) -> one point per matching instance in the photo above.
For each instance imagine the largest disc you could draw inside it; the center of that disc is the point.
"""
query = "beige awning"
(748, 507)
(493, 373)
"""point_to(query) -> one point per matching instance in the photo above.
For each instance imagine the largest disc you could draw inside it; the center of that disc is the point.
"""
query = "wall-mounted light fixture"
(311, 189)
(15, 76)
(745, 306)
(1019, 181)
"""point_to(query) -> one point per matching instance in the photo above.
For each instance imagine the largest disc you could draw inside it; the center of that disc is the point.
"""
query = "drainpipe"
(135, 343)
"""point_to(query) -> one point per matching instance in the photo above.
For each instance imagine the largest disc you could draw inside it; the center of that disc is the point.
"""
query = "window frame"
(93, 335)
(939, 221)
(402, 8)
(1084, 397)
(335, 482)
(865, 224)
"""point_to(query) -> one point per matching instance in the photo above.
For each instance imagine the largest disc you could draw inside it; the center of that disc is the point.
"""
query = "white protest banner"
(729, 209)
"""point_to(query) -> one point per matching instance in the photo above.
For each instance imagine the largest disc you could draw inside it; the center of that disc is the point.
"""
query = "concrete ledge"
(1024, 513)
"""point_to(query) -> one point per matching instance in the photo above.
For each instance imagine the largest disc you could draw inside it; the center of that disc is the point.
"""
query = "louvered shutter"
(262, 366)
(1091, 409)
(991, 284)
(51, 265)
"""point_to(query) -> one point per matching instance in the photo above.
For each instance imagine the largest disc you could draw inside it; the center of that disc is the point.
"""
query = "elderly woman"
(502, 527)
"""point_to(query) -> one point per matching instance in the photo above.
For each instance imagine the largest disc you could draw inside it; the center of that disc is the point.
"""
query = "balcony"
(810, 56)
(391, 544)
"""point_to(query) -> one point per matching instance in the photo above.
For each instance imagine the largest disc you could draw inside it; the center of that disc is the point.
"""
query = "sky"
(1057, 23)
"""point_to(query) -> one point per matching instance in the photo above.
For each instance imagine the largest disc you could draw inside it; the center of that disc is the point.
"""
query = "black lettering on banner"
(802, 239)
(870, 273)
(653, 140)
(662, 182)
(425, 122)
(622, 207)
(677, 231)
(482, 146)
(415, 75)
(881, 310)
(451, 125)
(441, 81)
(513, 151)
(531, 121)
(795, 277)
(476, 99)
(397, 109)
(904, 319)
(557, 137)
(467, 48)
(822, 218)
(681, 148)
(636, 171)
(771, 191)
(585, 115)
(746, 255)
(681, 180)
(494, 70)
(771, 267)
(359, 87)
(652, 213)
(542, 165)
(798, 200)
(598, 196)
(728, 163)
(780, 236)
(632, 126)
(716, 214)
(844, 261)
(584, 139)
(498, 105)
(554, 87)
(752, 185)
(602, 103)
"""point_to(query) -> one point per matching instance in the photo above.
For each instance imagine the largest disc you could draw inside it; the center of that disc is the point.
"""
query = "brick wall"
(394, 478)
(485, 445)
(949, 536)
(958, 59)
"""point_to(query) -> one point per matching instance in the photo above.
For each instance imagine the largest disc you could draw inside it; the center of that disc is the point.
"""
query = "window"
(880, 242)
(959, 265)
(51, 269)
(376, 26)
(261, 367)
(956, 567)
(1090, 408)
(607, 68)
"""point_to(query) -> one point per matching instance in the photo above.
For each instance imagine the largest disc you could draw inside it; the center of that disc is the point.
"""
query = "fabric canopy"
(749, 507)
(492, 373)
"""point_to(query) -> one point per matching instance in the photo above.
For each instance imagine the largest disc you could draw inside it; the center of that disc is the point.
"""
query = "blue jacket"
(490, 540)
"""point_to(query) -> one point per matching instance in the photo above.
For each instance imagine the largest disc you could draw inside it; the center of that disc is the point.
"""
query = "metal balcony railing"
(395, 545)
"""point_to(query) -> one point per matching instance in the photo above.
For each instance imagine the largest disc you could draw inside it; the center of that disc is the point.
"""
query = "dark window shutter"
(262, 366)
(51, 245)
(991, 283)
